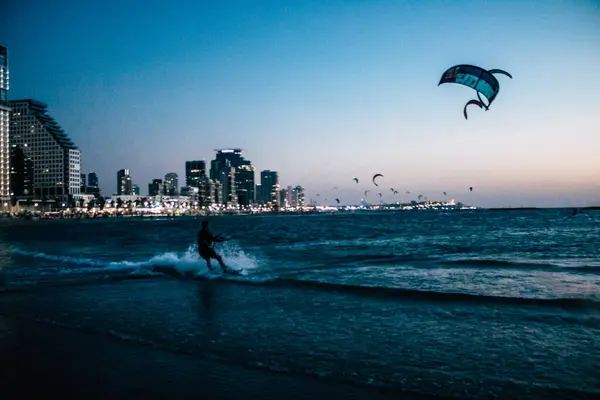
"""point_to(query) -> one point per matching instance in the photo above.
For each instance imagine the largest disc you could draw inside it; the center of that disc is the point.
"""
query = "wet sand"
(43, 361)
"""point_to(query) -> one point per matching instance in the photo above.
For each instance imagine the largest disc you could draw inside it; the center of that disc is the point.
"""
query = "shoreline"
(107, 215)
(41, 359)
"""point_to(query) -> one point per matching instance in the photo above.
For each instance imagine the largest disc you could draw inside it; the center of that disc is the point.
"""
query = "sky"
(324, 91)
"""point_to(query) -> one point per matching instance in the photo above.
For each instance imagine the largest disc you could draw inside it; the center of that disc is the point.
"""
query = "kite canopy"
(356, 180)
(375, 176)
(482, 81)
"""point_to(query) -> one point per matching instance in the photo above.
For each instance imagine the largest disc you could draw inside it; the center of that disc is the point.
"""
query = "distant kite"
(355, 180)
(482, 81)
(338, 201)
(375, 176)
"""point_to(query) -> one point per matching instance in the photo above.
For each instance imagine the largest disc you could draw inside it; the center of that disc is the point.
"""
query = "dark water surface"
(467, 304)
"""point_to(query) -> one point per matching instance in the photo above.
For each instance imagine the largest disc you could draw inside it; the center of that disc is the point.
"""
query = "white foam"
(60, 258)
(186, 263)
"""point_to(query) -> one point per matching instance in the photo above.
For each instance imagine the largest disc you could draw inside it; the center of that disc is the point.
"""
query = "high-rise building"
(56, 159)
(215, 170)
(4, 127)
(195, 172)
(288, 196)
(136, 190)
(245, 184)
(21, 173)
(83, 183)
(156, 187)
(244, 175)
(171, 184)
(124, 182)
(228, 184)
(283, 198)
(221, 172)
(258, 197)
(297, 197)
(93, 186)
(269, 182)
(217, 192)
(92, 180)
(206, 191)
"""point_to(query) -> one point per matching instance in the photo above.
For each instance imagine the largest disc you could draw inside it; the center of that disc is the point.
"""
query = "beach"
(39, 360)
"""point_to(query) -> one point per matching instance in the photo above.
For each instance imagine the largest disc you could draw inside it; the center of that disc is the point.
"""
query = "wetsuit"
(205, 241)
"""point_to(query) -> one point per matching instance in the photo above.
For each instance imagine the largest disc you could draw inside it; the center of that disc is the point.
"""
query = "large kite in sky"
(482, 81)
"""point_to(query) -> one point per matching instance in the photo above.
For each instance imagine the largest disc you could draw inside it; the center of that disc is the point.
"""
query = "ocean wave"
(187, 263)
(375, 259)
(470, 262)
(415, 294)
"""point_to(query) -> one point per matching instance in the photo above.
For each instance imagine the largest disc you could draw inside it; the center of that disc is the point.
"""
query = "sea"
(472, 304)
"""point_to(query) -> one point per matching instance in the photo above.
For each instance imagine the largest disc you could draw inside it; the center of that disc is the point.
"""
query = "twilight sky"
(324, 91)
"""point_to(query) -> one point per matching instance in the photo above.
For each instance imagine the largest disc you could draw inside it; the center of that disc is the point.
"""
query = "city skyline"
(234, 175)
(323, 93)
(211, 189)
